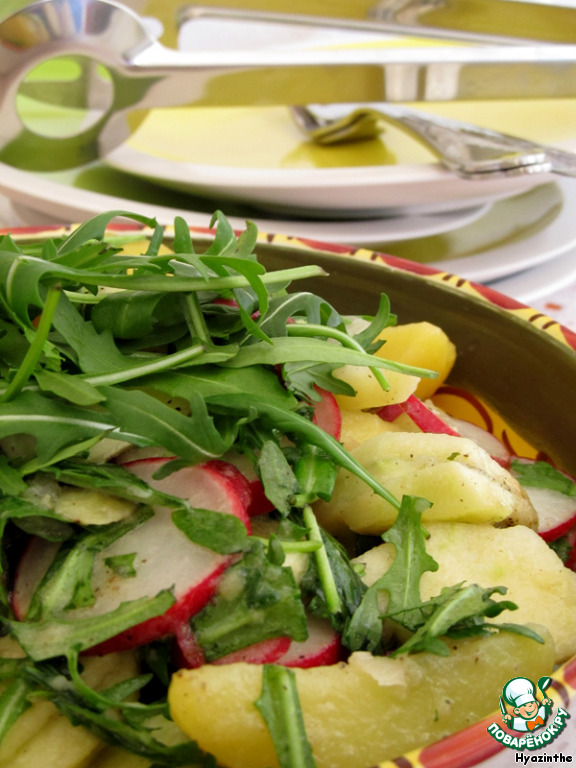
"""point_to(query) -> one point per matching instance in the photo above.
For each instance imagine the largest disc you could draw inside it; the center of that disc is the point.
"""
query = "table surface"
(559, 305)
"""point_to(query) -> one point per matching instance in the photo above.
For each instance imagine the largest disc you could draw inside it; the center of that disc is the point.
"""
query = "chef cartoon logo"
(526, 712)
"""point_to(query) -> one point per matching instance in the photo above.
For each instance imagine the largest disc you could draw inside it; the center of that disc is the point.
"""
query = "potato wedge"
(459, 477)
(422, 344)
(517, 558)
(359, 713)
(44, 737)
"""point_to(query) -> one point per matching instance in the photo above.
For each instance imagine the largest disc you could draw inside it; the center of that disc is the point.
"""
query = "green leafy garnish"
(541, 474)
(279, 705)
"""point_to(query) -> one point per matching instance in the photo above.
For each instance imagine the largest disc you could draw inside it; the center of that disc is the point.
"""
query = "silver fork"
(468, 150)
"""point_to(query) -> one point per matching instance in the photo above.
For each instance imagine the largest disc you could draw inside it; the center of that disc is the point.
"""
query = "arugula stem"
(154, 366)
(322, 562)
(343, 338)
(291, 422)
(308, 330)
(36, 347)
(83, 298)
(178, 284)
(196, 317)
(293, 546)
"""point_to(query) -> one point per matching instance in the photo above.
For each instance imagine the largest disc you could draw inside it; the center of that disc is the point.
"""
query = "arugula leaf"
(401, 582)
(111, 729)
(279, 705)
(47, 639)
(333, 572)
(53, 423)
(67, 584)
(315, 473)
(122, 565)
(267, 606)
(14, 701)
(193, 438)
(71, 388)
(457, 610)
(218, 531)
(221, 385)
(541, 474)
(278, 479)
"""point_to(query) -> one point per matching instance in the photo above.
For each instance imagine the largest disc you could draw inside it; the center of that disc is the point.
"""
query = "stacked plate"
(388, 194)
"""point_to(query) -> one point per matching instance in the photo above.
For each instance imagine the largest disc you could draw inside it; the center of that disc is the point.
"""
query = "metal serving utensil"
(484, 21)
(131, 72)
(468, 150)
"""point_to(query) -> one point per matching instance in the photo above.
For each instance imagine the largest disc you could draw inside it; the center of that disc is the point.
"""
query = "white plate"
(516, 234)
(258, 155)
(60, 197)
(546, 284)
(197, 151)
(507, 237)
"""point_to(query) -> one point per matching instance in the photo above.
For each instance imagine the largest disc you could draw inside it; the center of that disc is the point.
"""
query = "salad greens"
(198, 354)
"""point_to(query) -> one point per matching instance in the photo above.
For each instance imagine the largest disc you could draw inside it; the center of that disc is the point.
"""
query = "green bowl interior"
(521, 371)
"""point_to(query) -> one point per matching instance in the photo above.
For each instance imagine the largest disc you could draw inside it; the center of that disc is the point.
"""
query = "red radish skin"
(556, 510)
(31, 568)
(264, 652)
(327, 413)
(424, 418)
(323, 647)
(259, 503)
(188, 654)
(246, 476)
(165, 557)
(215, 485)
(427, 420)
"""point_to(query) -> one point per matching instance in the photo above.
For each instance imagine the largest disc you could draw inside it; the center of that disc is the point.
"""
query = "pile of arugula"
(95, 344)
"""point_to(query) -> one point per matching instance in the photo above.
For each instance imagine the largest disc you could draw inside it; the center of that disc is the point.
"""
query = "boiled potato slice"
(517, 558)
(422, 344)
(359, 426)
(369, 393)
(459, 477)
(44, 737)
(89, 507)
(359, 713)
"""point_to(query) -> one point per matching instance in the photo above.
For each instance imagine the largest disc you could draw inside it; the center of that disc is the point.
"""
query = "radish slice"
(215, 485)
(491, 444)
(424, 418)
(264, 652)
(327, 413)
(164, 556)
(259, 503)
(321, 648)
(428, 418)
(35, 561)
(556, 510)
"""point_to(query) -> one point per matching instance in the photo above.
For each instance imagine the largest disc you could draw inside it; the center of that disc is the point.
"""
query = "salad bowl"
(517, 369)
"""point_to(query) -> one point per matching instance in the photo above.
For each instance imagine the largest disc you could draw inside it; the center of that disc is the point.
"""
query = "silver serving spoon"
(132, 72)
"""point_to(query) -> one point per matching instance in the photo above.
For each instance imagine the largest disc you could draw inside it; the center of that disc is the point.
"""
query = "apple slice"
(321, 648)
